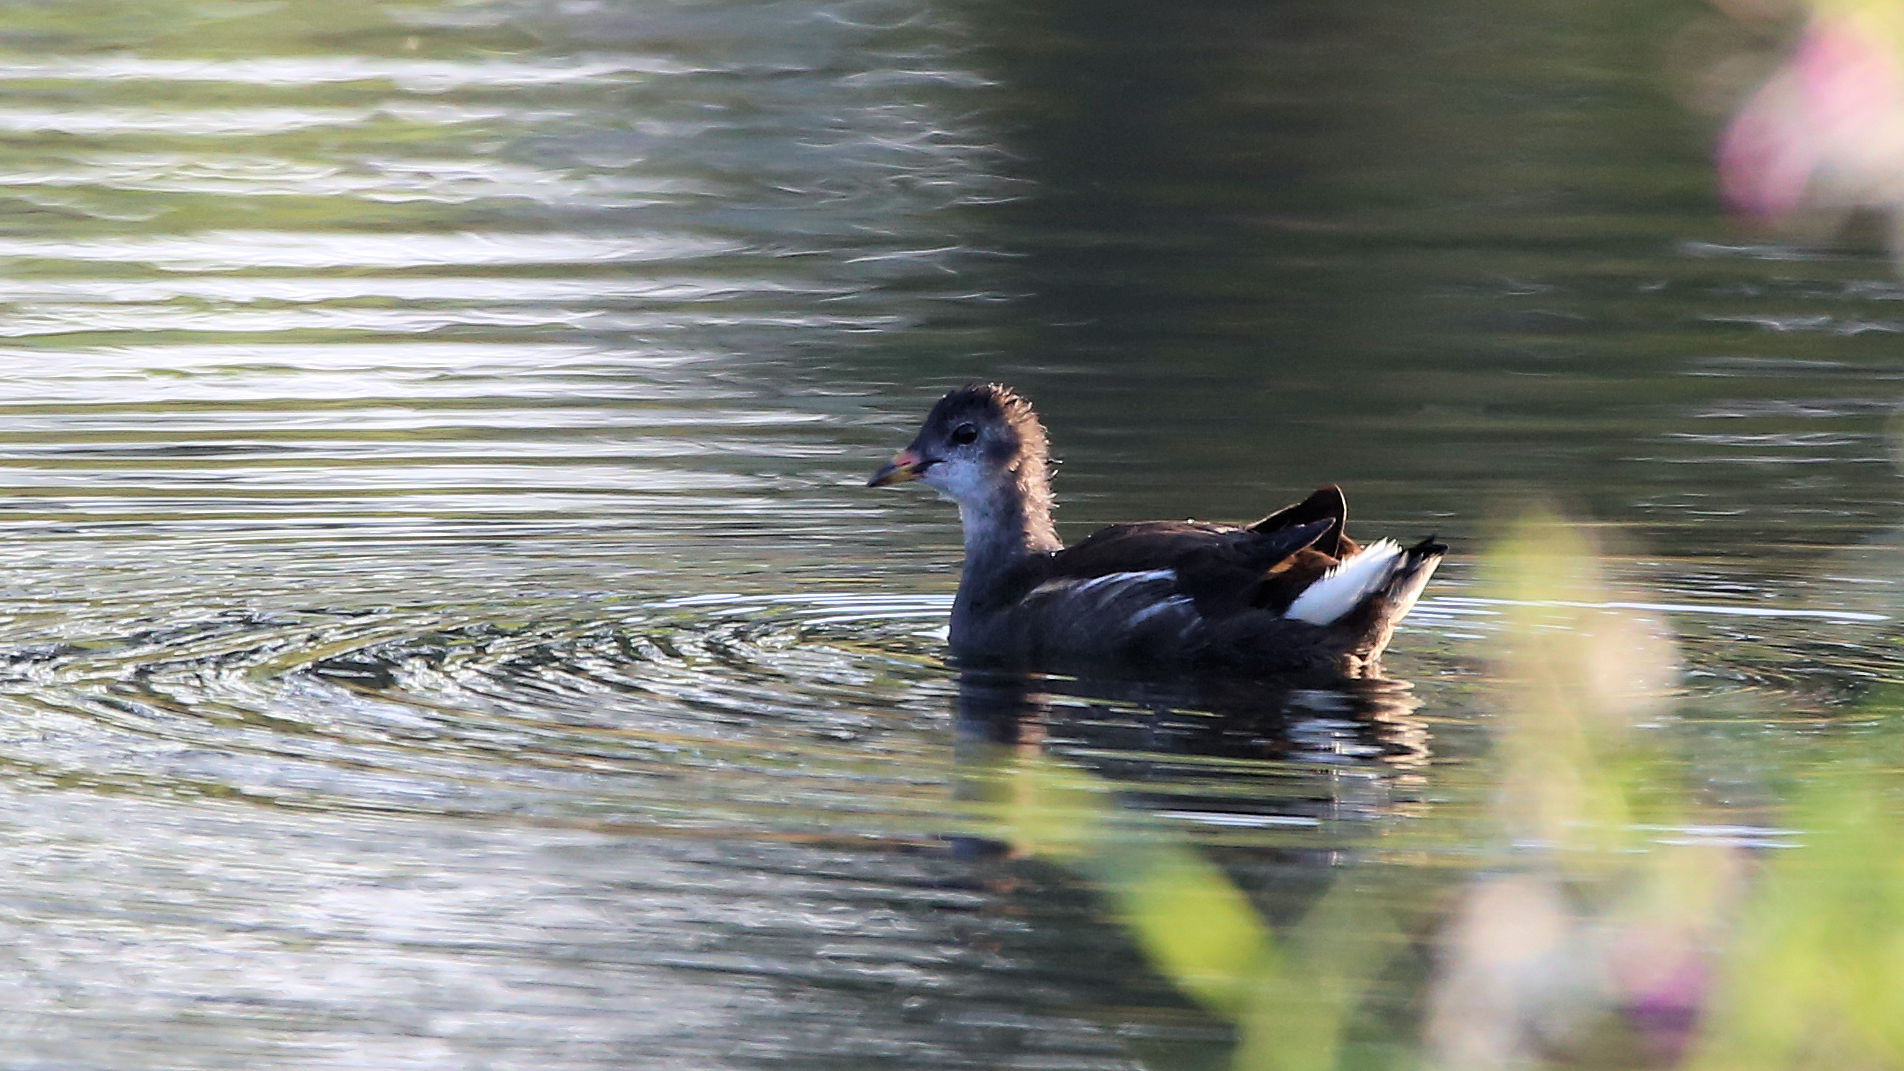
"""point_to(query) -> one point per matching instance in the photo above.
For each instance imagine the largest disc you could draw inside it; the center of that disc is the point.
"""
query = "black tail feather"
(1327, 503)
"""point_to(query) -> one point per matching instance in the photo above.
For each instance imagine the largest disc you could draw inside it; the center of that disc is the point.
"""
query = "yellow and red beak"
(905, 465)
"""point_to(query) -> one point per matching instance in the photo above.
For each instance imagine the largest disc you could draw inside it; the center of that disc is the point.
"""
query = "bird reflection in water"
(1223, 751)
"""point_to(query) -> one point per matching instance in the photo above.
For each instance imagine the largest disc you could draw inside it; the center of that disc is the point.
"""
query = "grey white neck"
(1002, 529)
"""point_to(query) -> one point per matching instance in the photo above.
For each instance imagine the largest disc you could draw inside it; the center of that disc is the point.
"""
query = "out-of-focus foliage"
(1292, 996)
(1601, 932)
(1814, 977)
(1823, 134)
(1188, 918)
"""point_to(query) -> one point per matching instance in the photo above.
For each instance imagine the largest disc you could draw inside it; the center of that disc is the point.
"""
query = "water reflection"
(1273, 759)
(1322, 720)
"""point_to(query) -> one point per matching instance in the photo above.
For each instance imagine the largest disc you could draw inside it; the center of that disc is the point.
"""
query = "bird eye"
(964, 433)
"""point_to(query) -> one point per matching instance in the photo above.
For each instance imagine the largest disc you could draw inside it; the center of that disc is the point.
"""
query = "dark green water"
(443, 622)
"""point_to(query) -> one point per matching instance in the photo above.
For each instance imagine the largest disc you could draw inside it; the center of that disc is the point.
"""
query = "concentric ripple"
(752, 702)
(821, 714)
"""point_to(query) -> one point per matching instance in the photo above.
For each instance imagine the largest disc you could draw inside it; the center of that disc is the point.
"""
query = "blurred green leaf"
(1590, 934)
(1815, 977)
(1195, 926)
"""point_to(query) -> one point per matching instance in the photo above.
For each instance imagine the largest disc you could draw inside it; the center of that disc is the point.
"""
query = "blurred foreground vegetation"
(1618, 913)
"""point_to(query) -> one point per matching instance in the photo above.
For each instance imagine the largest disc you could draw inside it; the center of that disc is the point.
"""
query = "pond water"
(444, 623)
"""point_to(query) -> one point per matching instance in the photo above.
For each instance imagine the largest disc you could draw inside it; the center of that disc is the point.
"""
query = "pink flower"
(1826, 130)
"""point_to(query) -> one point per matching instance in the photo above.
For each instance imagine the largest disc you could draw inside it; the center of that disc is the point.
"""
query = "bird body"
(1289, 592)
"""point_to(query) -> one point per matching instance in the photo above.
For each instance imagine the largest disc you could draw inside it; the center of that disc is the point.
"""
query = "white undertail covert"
(1344, 587)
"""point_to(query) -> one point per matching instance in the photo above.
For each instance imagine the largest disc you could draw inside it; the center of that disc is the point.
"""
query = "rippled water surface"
(444, 624)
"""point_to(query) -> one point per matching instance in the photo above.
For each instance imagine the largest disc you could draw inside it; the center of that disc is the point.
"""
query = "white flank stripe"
(1127, 578)
(1175, 602)
(1344, 587)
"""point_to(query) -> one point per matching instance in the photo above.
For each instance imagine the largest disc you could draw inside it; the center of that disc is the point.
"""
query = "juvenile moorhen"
(1290, 592)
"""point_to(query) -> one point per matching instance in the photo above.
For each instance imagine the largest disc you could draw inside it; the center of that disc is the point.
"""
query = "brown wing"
(1293, 576)
(1222, 569)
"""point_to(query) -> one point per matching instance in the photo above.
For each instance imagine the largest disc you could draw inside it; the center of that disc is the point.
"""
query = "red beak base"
(906, 465)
